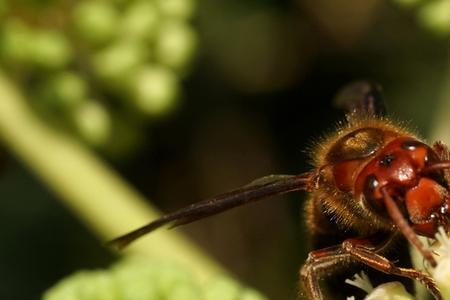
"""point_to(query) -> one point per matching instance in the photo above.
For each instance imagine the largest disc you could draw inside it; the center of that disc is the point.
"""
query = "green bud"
(66, 90)
(116, 63)
(93, 122)
(98, 285)
(49, 49)
(86, 285)
(435, 15)
(95, 21)
(66, 289)
(251, 295)
(180, 9)
(134, 286)
(154, 90)
(44, 48)
(139, 278)
(15, 42)
(143, 279)
(139, 20)
(175, 45)
(185, 291)
(170, 276)
(222, 289)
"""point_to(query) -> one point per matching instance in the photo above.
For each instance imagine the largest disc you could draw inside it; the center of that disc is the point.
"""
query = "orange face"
(401, 168)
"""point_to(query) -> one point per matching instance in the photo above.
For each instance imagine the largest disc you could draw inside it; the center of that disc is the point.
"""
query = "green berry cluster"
(102, 69)
(433, 15)
(146, 279)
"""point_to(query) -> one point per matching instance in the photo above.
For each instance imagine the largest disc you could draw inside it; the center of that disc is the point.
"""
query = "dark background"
(260, 92)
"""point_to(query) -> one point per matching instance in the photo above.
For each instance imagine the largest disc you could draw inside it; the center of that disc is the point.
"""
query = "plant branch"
(92, 190)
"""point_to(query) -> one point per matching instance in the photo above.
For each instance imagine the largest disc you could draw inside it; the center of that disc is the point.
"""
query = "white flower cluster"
(396, 291)
(386, 291)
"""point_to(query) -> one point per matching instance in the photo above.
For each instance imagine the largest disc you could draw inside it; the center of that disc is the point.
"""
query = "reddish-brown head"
(402, 171)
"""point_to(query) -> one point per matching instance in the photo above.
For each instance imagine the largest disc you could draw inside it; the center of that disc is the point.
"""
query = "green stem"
(94, 192)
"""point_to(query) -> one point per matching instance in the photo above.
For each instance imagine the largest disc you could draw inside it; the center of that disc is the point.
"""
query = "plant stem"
(94, 192)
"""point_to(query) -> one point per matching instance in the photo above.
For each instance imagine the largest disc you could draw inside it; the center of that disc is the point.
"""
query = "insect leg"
(362, 251)
(318, 263)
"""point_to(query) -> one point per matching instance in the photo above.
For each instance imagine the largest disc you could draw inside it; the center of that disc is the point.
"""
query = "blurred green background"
(189, 98)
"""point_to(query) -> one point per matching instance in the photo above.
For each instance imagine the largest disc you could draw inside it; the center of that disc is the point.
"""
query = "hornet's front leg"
(364, 250)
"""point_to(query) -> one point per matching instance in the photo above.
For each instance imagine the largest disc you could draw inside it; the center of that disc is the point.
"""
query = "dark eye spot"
(411, 145)
(387, 160)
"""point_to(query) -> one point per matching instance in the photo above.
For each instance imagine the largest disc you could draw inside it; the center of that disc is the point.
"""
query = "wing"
(361, 99)
(261, 188)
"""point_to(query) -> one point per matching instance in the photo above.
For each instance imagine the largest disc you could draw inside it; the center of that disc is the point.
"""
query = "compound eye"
(358, 144)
